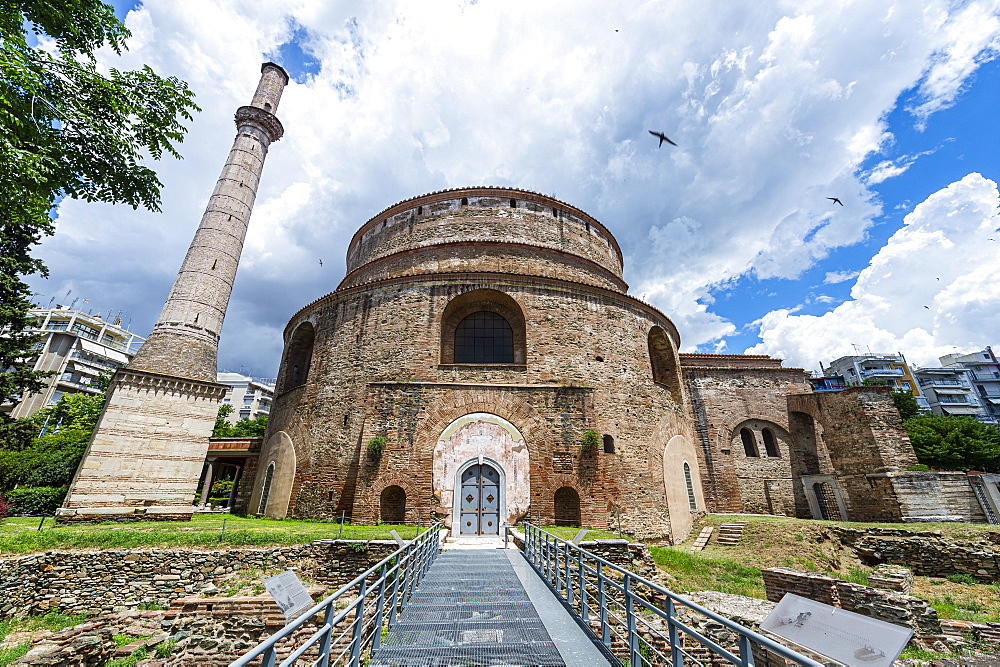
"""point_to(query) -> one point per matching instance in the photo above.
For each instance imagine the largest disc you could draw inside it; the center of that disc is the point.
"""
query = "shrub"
(6, 507)
(962, 578)
(36, 501)
(376, 445)
(919, 467)
(590, 440)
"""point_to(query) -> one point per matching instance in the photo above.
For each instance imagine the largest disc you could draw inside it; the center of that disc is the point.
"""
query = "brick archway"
(370, 502)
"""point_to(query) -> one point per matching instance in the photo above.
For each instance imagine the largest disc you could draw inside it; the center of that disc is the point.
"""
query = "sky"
(775, 108)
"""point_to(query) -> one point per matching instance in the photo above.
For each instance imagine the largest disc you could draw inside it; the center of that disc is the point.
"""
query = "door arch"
(481, 498)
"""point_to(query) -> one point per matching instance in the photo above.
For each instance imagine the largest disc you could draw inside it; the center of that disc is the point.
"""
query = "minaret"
(147, 452)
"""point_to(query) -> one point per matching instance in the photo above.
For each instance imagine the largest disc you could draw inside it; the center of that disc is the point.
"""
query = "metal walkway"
(481, 607)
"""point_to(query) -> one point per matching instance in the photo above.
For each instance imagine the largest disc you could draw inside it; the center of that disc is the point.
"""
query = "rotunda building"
(482, 362)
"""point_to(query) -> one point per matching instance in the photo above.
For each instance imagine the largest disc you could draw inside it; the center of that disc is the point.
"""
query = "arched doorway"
(567, 507)
(480, 490)
(392, 505)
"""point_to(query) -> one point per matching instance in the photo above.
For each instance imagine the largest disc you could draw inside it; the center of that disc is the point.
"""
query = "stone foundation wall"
(103, 582)
(937, 496)
(927, 553)
(883, 605)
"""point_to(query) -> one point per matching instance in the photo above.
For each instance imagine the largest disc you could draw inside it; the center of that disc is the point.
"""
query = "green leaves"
(955, 443)
(68, 130)
(244, 428)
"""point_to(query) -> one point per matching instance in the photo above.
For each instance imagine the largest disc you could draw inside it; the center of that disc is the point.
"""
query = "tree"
(67, 130)
(244, 428)
(954, 443)
(907, 404)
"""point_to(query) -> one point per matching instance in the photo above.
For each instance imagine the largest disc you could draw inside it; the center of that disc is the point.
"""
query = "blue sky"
(775, 107)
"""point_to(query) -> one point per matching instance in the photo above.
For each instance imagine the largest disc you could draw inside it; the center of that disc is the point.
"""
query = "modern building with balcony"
(78, 347)
(889, 369)
(250, 398)
(949, 391)
(827, 382)
(984, 373)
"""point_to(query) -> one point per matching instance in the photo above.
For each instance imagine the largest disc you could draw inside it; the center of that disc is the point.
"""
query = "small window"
(420, 210)
(692, 500)
(465, 201)
(265, 490)
(513, 203)
(769, 445)
(609, 444)
(749, 446)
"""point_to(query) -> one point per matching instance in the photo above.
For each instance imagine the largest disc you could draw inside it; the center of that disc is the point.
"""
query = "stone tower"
(147, 452)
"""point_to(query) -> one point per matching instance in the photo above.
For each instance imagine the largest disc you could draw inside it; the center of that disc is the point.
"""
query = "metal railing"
(350, 621)
(638, 620)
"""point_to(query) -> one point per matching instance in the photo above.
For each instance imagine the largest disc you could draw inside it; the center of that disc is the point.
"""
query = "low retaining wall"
(103, 582)
(883, 605)
(927, 553)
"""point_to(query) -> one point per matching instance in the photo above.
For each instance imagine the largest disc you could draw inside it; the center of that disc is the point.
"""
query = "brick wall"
(927, 553)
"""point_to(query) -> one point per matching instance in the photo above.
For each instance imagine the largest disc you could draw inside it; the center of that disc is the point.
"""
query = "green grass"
(19, 535)
(696, 573)
(9, 655)
(51, 621)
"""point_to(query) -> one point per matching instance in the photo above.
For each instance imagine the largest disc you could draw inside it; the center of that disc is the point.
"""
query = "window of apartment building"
(905, 385)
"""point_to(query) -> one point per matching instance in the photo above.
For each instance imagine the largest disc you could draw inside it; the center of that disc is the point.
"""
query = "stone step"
(730, 534)
(702, 539)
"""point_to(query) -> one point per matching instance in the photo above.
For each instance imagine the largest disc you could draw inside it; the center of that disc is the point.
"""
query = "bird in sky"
(321, 262)
(927, 307)
(835, 200)
(662, 138)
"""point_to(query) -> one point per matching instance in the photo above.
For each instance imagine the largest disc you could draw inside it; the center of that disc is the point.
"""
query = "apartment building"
(249, 397)
(950, 391)
(79, 347)
(891, 369)
(984, 370)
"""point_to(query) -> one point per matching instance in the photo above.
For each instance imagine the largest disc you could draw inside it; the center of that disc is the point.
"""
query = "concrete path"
(481, 604)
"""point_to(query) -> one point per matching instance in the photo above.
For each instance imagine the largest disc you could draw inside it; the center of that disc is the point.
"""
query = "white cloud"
(834, 277)
(774, 107)
(931, 288)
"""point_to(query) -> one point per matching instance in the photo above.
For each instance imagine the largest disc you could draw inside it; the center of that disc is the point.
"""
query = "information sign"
(289, 594)
(841, 635)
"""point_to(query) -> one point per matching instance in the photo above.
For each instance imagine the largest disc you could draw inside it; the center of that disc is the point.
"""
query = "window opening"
(265, 490)
(770, 446)
(567, 507)
(513, 203)
(392, 505)
(609, 444)
(484, 338)
(749, 446)
(465, 201)
(692, 500)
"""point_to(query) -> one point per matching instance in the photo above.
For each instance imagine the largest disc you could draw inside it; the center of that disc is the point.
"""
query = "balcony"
(941, 383)
(882, 371)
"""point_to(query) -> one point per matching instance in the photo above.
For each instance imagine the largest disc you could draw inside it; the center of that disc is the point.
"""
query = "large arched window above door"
(663, 362)
(483, 326)
(298, 358)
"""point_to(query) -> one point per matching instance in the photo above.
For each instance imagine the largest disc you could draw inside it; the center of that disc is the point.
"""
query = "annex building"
(482, 362)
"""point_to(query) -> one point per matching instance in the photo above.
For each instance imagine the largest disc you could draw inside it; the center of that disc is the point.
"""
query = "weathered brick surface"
(927, 553)
(377, 368)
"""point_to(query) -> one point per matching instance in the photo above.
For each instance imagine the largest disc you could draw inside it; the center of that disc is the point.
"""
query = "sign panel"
(289, 594)
(841, 635)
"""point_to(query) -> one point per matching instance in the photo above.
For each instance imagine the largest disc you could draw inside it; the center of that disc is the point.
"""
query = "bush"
(37, 501)
(590, 440)
(6, 507)
(51, 460)
(962, 578)
(954, 443)
(376, 445)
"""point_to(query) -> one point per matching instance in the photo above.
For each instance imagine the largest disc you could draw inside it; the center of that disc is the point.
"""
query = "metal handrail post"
(410, 575)
(633, 635)
(584, 607)
(557, 555)
(746, 652)
(603, 605)
(270, 657)
(359, 625)
(676, 656)
(567, 580)
(324, 643)
(395, 592)
(379, 607)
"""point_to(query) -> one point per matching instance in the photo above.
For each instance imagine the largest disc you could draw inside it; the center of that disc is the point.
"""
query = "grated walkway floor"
(470, 609)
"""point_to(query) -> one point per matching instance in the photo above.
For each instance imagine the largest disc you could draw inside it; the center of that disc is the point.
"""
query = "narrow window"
(692, 500)
(749, 446)
(513, 203)
(484, 337)
(420, 210)
(609, 444)
(465, 201)
(265, 490)
(770, 446)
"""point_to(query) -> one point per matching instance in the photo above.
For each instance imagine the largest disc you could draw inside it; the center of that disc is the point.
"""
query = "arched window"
(265, 489)
(298, 357)
(483, 326)
(826, 499)
(770, 446)
(609, 444)
(663, 362)
(484, 338)
(692, 500)
(392, 505)
(567, 507)
(749, 446)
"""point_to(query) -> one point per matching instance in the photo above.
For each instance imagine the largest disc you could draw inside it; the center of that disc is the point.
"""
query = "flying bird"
(662, 138)
(321, 262)
(927, 307)
(835, 200)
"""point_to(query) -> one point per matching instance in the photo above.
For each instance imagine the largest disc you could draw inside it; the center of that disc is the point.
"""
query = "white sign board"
(289, 593)
(841, 635)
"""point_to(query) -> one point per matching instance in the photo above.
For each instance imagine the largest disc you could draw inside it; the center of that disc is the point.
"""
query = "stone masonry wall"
(727, 394)
(883, 605)
(103, 582)
(927, 553)
(937, 496)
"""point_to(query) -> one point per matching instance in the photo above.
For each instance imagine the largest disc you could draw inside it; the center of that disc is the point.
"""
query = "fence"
(639, 620)
(350, 621)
